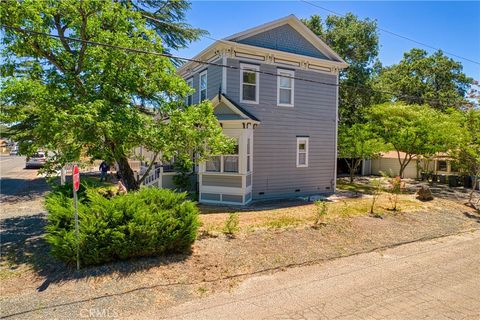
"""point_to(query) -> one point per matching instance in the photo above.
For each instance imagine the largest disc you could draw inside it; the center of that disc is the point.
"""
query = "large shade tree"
(420, 78)
(356, 41)
(414, 130)
(80, 99)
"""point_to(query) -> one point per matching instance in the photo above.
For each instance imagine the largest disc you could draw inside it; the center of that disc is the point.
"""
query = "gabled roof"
(236, 112)
(298, 25)
(231, 44)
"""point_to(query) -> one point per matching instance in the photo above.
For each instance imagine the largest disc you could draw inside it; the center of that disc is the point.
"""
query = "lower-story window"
(302, 152)
(223, 163)
(213, 164)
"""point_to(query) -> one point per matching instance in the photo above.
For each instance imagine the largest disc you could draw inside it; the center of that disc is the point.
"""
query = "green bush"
(231, 224)
(144, 223)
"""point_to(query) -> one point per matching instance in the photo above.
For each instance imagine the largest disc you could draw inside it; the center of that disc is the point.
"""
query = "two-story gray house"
(275, 89)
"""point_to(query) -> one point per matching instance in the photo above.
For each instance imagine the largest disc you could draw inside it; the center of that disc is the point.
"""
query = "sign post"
(76, 186)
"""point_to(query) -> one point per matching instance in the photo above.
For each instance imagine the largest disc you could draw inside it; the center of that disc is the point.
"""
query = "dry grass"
(303, 214)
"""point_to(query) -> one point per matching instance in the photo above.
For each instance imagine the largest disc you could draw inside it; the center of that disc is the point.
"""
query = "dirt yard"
(271, 236)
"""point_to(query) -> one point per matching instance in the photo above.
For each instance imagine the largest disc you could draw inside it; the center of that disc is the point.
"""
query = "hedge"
(148, 222)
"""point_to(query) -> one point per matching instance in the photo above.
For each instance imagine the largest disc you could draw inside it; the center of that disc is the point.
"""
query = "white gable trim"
(216, 101)
(298, 26)
(236, 50)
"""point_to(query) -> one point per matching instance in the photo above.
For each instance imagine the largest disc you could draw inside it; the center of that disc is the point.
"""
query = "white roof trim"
(297, 25)
(204, 54)
(216, 101)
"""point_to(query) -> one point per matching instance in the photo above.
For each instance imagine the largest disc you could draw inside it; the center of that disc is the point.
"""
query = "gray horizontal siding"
(167, 182)
(210, 197)
(214, 81)
(222, 181)
(232, 198)
(275, 138)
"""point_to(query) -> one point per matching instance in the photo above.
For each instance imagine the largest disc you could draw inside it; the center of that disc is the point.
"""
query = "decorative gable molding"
(298, 25)
(229, 48)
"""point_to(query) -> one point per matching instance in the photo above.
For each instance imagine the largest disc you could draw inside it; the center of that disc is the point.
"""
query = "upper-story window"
(203, 85)
(189, 100)
(249, 83)
(285, 88)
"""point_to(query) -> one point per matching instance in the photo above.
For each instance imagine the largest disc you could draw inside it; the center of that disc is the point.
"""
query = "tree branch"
(61, 33)
(83, 48)
(149, 168)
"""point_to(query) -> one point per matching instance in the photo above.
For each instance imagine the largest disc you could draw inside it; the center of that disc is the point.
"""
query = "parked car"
(36, 161)
(14, 152)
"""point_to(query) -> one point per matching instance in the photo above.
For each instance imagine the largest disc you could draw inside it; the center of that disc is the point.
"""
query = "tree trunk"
(127, 173)
(402, 169)
(470, 197)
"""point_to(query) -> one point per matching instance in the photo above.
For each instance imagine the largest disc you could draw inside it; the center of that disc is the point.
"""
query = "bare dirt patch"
(272, 236)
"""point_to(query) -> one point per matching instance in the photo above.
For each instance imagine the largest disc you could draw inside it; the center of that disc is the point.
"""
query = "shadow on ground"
(23, 244)
(17, 189)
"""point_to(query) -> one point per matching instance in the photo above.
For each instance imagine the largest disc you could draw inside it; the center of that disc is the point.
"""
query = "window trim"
(291, 73)
(189, 82)
(200, 85)
(307, 151)
(245, 66)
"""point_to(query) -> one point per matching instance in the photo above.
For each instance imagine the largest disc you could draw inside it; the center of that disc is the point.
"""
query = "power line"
(396, 34)
(167, 55)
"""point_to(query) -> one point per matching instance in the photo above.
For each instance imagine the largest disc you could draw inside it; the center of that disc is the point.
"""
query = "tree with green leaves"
(467, 152)
(80, 99)
(356, 41)
(356, 143)
(420, 78)
(414, 130)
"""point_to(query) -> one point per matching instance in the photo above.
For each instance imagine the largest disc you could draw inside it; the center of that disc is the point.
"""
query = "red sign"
(76, 178)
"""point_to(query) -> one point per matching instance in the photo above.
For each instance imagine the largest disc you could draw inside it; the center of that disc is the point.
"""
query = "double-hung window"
(203, 86)
(302, 152)
(189, 100)
(249, 80)
(285, 87)
(224, 163)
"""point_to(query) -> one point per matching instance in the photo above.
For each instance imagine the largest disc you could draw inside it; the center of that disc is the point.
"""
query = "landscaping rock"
(424, 194)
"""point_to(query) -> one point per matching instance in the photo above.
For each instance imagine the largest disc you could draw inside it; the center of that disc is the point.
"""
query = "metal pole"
(76, 228)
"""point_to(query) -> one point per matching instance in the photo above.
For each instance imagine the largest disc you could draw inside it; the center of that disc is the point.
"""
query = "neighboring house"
(388, 163)
(279, 98)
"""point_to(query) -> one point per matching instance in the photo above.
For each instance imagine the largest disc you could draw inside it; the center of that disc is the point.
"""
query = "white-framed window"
(285, 87)
(224, 163)
(249, 83)
(302, 152)
(189, 99)
(202, 83)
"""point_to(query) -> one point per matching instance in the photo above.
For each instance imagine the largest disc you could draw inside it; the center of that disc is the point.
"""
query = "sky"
(451, 26)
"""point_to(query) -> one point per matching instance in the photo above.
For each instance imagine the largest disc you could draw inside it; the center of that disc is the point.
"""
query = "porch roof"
(237, 112)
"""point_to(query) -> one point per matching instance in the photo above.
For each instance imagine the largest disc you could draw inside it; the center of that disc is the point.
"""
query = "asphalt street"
(16, 182)
(436, 279)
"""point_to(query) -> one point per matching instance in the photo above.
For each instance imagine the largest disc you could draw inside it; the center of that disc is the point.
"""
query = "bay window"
(224, 163)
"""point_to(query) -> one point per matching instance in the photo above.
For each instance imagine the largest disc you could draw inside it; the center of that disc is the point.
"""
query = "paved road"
(438, 279)
(16, 182)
